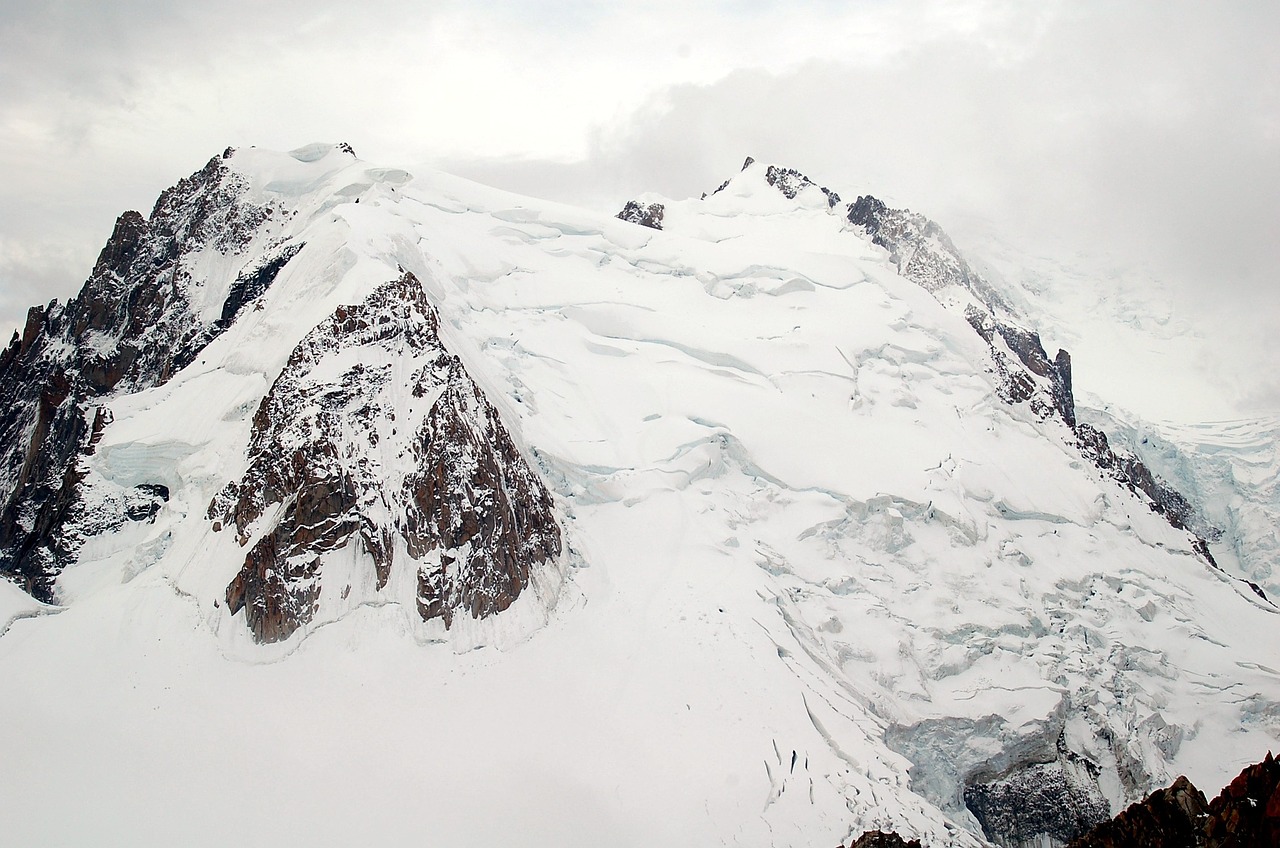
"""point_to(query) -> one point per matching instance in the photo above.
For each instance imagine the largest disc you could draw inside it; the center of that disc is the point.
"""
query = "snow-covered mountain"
(344, 504)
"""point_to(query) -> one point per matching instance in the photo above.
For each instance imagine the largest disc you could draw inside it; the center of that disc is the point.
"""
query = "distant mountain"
(764, 518)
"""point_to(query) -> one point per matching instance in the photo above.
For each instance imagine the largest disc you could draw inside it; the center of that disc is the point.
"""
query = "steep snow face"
(818, 575)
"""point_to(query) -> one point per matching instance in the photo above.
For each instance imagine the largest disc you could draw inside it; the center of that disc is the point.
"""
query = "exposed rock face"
(1247, 813)
(374, 432)
(920, 250)
(646, 216)
(132, 326)
(135, 318)
(791, 182)
(1016, 384)
(473, 497)
(883, 839)
(1057, 800)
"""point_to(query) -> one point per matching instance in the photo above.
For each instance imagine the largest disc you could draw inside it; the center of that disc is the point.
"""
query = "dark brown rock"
(472, 489)
(459, 496)
(1245, 815)
(1168, 818)
(1247, 812)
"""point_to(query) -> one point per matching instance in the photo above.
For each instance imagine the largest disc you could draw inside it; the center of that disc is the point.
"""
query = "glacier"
(819, 575)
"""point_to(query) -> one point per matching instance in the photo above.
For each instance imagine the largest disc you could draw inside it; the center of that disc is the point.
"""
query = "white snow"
(797, 517)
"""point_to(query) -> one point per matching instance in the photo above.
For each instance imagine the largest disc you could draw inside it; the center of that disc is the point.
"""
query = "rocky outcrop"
(472, 499)
(920, 250)
(132, 326)
(1057, 801)
(1245, 815)
(374, 434)
(646, 216)
(1017, 385)
(1168, 818)
(883, 839)
(791, 182)
(135, 319)
(1132, 473)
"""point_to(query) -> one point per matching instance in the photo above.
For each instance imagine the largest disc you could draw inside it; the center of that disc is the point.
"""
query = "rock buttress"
(375, 434)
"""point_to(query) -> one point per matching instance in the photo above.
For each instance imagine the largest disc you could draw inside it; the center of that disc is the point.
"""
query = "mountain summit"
(438, 512)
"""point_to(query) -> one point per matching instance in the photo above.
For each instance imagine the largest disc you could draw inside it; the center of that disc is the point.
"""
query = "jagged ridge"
(132, 326)
(923, 253)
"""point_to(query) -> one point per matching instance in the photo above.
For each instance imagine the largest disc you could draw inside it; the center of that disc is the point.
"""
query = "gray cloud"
(1145, 136)
(1142, 132)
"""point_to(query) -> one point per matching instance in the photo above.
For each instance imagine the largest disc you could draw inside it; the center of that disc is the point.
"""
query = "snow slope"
(818, 577)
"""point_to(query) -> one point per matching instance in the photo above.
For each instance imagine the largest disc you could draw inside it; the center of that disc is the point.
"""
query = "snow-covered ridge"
(819, 574)
(922, 252)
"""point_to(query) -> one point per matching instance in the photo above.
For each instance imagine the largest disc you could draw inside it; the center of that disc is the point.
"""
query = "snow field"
(798, 524)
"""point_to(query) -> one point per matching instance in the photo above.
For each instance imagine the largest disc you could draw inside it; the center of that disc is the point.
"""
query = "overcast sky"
(1143, 134)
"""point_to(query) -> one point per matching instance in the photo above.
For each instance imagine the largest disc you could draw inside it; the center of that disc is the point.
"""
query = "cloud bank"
(1140, 133)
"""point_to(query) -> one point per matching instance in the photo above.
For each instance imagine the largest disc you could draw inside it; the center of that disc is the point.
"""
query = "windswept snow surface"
(799, 523)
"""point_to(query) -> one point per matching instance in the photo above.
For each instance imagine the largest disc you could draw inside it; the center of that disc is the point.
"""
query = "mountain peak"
(447, 485)
(788, 181)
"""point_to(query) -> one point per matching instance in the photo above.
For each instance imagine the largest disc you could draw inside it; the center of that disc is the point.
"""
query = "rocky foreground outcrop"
(882, 839)
(1169, 817)
(1245, 815)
